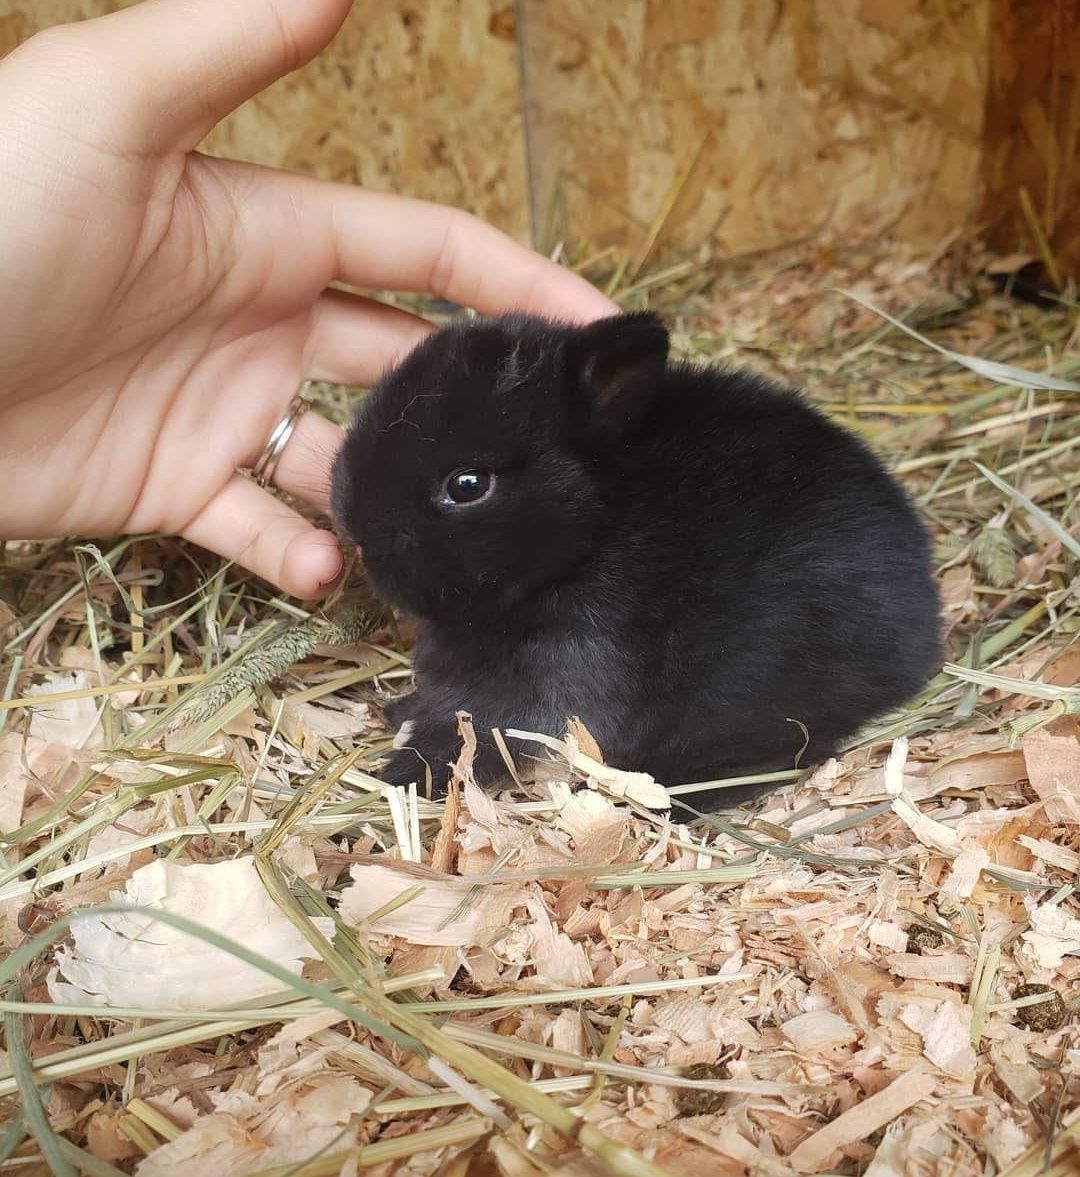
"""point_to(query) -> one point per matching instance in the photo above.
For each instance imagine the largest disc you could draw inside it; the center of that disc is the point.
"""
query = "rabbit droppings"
(695, 561)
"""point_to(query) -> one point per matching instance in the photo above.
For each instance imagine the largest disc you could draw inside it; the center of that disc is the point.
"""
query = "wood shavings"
(816, 1153)
(818, 1030)
(580, 736)
(737, 1154)
(686, 1017)
(893, 771)
(948, 968)
(977, 769)
(1051, 936)
(1011, 1065)
(568, 1033)
(426, 910)
(72, 723)
(127, 959)
(332, 723)
(15, 753)
(933, 834)
(1052, 756)
(1051, 853)
(444, 851)
(958, 598)
(584, 814)
(558, 962)
(887, 935)
(242, 1138)
(1006, 1143)
(964, 874)
(106, 1141)
(634, 786)
(946, 1035)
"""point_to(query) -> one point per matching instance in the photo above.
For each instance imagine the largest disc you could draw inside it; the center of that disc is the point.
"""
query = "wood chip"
(818, 1030)
(946, 1035)
(964, 874)
(816, 1152)
(634, 786)
(445, 849)
(948, 969)
(1052, 756)
(1010, 1059)
(1052, 853)
(447, 912)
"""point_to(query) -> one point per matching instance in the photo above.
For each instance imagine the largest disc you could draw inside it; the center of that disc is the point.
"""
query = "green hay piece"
(994, 554)
(283, 646)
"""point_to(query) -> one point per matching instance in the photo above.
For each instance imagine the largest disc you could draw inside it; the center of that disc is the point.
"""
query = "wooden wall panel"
(784, 119)
(413, 96)
(420, 98)
(1033, 127)
(748, 124)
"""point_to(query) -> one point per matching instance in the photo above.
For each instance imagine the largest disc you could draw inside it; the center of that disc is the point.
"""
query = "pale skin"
(159, 308)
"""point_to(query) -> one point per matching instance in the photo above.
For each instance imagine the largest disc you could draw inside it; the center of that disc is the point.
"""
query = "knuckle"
(71, 58)
(446, 267)
(292, 55)
(59, 49)
(49, 41)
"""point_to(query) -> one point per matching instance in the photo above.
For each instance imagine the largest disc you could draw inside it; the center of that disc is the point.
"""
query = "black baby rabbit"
(697, 563)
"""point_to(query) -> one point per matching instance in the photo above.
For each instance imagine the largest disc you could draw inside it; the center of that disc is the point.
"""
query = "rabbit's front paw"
(400, 710)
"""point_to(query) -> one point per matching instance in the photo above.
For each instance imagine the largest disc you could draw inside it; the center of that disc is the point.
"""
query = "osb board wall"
(420, 97)
(1033, 127)
(746, 123)
(769, 120)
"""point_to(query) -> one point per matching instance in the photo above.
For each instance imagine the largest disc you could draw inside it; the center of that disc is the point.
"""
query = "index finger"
(396, 243)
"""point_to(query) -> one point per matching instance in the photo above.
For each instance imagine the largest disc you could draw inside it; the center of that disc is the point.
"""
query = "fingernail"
(335, 576)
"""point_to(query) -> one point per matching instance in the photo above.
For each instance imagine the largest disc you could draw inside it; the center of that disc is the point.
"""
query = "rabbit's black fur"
(690, 559)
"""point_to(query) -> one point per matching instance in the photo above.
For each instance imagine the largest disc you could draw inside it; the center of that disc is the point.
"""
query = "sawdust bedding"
(874, 970)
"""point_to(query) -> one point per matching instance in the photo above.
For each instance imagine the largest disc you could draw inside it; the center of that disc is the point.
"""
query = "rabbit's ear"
(616, 366)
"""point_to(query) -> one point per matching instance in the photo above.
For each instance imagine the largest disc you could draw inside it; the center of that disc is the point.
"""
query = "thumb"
(175, 68)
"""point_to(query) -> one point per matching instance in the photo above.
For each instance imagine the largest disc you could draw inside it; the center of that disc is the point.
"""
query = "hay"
(875, 970)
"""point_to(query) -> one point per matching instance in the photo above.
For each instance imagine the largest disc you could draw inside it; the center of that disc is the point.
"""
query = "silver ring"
(266, 464)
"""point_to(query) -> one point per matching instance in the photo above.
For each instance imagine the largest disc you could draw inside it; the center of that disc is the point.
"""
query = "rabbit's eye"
(467, 486)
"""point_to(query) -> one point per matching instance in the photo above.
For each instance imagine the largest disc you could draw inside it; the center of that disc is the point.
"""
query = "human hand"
(160, 308)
